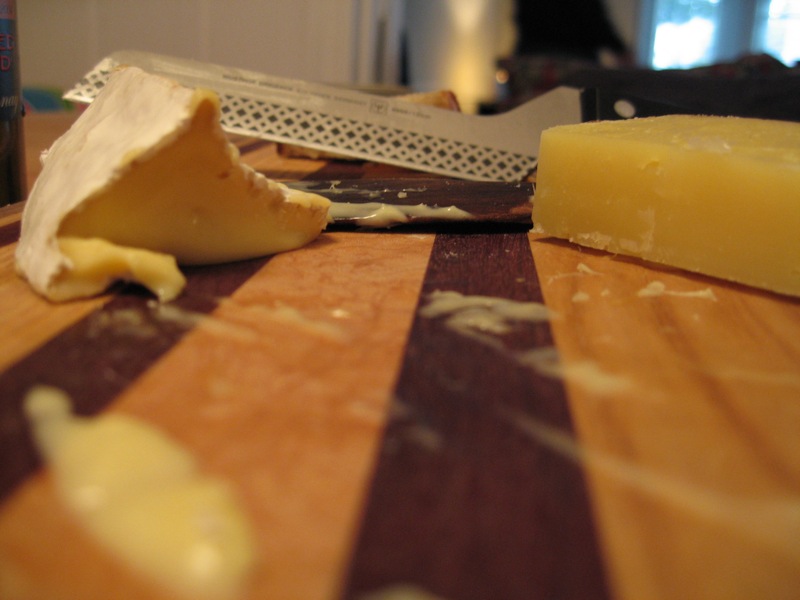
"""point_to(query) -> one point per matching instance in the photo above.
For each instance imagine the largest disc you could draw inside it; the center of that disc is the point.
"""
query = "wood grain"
(100, 355)
(27, 319)
(283, 381)
(9, 222)
(681, 412)
(457, 505)
(691, 447)
(276, 344)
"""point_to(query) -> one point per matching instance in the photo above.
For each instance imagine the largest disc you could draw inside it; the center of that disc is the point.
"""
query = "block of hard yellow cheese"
(713, 195)
(146, 179)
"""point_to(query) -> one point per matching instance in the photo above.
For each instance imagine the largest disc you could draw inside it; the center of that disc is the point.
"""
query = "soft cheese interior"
(146, 180)
(714, 195)
(143, 496)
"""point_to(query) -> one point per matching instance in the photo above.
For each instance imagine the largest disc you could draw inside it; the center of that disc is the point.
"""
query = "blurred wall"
(338, 41)
(454, 44)
(323, 40)
(626, 15)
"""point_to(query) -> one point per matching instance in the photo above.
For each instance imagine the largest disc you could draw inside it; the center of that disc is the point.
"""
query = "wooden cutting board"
(374, 446)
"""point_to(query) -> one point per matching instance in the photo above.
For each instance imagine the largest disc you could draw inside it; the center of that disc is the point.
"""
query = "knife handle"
(599, 104)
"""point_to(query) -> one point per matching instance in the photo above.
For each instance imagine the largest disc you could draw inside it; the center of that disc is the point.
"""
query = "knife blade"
(352, 123)
(440, 202)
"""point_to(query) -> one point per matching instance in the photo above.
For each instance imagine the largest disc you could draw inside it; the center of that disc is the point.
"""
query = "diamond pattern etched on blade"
(407, 148)
(376, 141)
(88, 87)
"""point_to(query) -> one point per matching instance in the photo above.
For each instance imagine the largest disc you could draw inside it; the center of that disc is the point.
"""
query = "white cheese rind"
(89, 158)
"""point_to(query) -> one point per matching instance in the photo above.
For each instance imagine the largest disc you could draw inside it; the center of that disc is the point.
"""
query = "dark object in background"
(754, 86)
(570, 28)
(12, 154)
(560, 41)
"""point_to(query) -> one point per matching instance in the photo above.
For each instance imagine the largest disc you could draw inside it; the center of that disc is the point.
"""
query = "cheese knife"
(359, 125)
(501, 147)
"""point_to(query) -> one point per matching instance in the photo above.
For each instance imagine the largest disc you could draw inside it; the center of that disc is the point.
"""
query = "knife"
(439, 202)
(355, 124)
(501, 147)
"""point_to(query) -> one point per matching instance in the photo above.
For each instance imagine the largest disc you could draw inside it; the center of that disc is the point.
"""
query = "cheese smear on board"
(714, 195)
(141, 495)
(147, 167)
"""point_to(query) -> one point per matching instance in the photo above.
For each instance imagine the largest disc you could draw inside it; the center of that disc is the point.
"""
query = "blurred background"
(493, 54)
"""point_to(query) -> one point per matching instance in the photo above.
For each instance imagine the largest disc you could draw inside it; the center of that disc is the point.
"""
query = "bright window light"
(684, 33)
(693, 33)
(780, 35)
(682, 45)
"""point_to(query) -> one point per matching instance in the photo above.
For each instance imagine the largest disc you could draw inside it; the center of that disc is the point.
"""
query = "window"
(690, 33)
(779, 30)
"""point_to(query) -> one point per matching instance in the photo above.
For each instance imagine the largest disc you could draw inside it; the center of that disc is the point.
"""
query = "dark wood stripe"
(357, 169)
(9, 233)
(338, 170)
(95, 359)
(496, 202)
(465, 504)
(250, 145)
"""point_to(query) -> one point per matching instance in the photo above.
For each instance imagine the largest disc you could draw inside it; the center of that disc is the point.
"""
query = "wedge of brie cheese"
(146, 180)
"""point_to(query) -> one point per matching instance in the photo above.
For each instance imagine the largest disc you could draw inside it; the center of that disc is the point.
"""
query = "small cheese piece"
(713, 195)
(95, 263)
(142, 496)
(148, 167)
